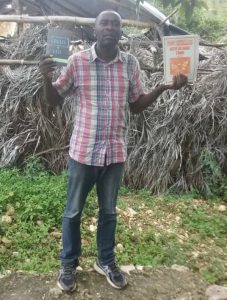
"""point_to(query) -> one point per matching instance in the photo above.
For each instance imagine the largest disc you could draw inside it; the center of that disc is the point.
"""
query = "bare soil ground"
(149, 284)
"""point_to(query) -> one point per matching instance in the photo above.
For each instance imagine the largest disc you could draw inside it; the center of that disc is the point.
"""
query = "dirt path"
(150, 284)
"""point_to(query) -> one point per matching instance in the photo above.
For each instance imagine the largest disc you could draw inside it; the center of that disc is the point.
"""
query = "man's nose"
(110, 26)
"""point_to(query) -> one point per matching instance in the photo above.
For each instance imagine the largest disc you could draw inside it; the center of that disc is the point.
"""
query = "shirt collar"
(94, 55)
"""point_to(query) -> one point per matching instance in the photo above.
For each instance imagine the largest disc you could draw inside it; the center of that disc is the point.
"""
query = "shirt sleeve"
(135, 83)
(66, 81)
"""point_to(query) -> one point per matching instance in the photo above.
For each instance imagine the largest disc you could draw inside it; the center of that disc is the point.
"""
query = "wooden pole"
(18, 62)
(17, 7)
(169, 16)
(66, 19)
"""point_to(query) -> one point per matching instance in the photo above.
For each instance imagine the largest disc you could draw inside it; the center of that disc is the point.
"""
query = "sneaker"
(67, 278)
(114, 277)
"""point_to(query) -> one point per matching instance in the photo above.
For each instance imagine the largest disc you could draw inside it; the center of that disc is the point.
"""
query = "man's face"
(108, 29)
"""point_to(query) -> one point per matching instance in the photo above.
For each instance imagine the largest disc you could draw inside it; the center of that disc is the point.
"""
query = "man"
(106, 82)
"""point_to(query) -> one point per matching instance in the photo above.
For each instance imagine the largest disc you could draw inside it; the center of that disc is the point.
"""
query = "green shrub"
(208, 28)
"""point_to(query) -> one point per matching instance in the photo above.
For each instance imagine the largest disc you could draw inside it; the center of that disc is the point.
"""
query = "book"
(58, 42)
(180, 55)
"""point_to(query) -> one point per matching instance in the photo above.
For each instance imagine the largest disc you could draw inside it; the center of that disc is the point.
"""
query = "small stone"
(16, 254)
(55, 292)
(39, 222)
(79, 268)
(92, 228)
(10, 210)
(118, 210)
(6, 219)
(94, 220)
(180, 268)
(120, 248)
(127, 269)
(6, 241)
(216, 292)
(131, 212)
(195, 254)
(147, 268)
(187, 296)
(186, 235)
(8, 272)
(56, 234)
(221, 208)
(84, 242)
(178, 219)
(139, 268)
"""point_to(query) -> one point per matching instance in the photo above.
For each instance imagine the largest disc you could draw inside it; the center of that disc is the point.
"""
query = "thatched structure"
(167, 142)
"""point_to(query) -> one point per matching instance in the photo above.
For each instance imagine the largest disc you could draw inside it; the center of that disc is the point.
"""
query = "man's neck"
(106, 54)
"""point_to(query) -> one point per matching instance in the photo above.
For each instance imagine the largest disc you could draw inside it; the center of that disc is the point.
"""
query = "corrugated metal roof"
(82, 8)
(91, 8)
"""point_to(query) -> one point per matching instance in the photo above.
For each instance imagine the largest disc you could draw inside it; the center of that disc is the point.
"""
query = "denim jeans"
(81, 179)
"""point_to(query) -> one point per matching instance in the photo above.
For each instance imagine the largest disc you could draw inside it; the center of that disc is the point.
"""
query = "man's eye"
(116, 23)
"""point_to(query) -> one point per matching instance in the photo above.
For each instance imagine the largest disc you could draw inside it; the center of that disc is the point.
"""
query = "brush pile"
(169, 144)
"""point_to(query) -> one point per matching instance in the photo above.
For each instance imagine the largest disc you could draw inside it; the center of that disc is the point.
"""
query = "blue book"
(58, 42)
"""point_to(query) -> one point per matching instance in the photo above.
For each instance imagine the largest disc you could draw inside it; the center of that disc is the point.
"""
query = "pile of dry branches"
(167, 142)
(28, 127)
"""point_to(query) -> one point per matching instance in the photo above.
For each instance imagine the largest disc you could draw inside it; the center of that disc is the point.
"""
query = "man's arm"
(146, 100)
(47, 67)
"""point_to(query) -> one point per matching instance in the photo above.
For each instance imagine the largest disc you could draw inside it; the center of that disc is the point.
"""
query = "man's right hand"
(47, 66)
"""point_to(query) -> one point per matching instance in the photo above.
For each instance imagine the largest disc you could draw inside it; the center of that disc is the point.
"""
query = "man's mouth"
(109, 37)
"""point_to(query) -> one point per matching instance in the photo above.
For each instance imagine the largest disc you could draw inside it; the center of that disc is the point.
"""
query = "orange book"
(181, 55)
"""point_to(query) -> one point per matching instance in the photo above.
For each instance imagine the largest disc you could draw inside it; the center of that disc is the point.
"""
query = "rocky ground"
(175, 283)
(148, 284)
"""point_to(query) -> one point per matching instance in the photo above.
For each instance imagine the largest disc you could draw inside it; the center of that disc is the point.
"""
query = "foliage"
(193, 16)
(186, 7)
(206, 225)
(215, 180)
(153, 231)
(34, 167)
(208, 28)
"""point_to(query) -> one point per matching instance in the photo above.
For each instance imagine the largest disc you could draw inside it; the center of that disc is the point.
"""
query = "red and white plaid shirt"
(103, 91)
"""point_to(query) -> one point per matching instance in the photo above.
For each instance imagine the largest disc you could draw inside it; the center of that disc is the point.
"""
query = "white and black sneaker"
(113, 275)
(67, 278)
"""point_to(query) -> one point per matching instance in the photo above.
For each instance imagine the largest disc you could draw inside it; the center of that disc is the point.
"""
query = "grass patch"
(196, 219)
(154, 231)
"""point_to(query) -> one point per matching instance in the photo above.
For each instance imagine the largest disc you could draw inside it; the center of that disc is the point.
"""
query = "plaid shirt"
(103, 90)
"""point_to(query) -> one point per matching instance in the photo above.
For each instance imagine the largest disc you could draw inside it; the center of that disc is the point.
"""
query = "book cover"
(181, 55)
(58, 42)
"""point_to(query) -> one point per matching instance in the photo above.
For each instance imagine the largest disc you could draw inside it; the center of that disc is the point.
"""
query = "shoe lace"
(67, 271)
(114, 269)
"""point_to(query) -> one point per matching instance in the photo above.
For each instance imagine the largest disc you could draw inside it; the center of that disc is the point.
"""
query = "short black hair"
(108, 10)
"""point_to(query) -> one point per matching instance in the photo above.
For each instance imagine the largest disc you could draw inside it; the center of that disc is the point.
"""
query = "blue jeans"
(80, 182)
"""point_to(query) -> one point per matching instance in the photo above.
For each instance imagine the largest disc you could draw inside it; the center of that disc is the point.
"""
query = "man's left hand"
(178, 82)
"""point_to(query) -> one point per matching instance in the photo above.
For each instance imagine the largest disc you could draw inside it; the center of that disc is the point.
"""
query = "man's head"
(108, 25)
